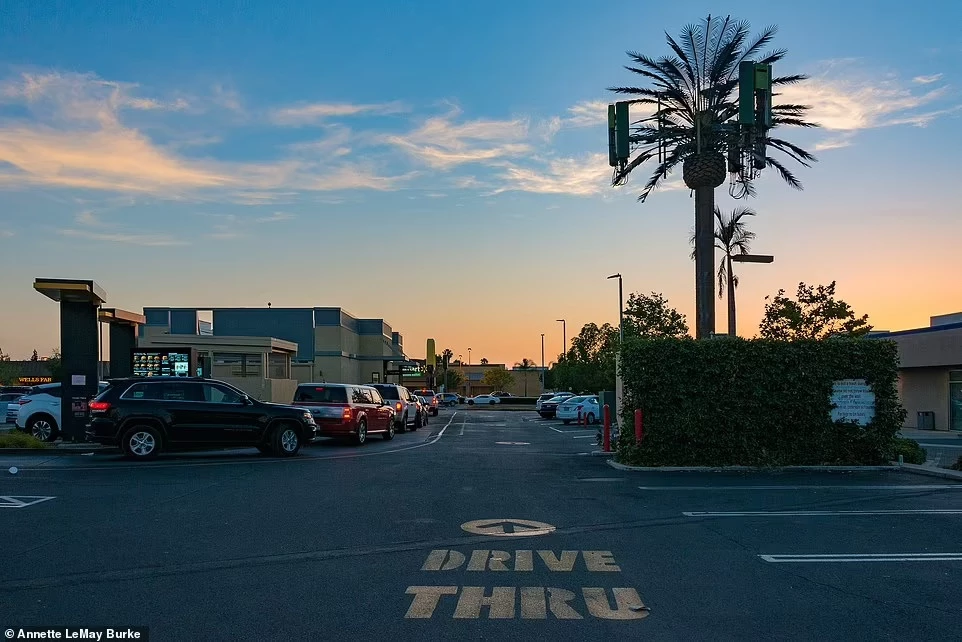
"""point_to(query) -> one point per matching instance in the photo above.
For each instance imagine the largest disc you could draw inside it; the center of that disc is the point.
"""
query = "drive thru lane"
(498, 527)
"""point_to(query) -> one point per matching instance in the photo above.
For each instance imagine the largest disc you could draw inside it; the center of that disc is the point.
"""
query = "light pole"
(469, 356)
(542, 363)
(621, 309)
(564, 336)
(461, 369)
(740, 258)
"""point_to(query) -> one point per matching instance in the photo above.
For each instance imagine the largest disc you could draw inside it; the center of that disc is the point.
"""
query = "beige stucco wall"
(924, 389)
(274, 390)
(928, 349)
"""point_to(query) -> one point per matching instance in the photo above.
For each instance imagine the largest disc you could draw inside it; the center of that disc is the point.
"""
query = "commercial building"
(930, 372)
(524, 381)
(284, 344)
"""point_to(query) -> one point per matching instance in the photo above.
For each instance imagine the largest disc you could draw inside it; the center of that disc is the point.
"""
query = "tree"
(589, 364)
(694, 104)
(651, 316)
(55, 365)
(525, 364)
(484, 361)
(815, 315)
(9, 373)
(4, 356)
(452, 380)
(497, 378)
(731, 237)
(35, 356)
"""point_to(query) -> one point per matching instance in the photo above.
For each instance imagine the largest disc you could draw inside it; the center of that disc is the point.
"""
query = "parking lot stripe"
(820, 513)
(813, 487)
(863, 557)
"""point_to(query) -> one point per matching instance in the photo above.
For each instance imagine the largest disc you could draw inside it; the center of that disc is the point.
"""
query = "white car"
(586, 405)
(8, 400)
(550, 395)
(482, 400)
(39, 412)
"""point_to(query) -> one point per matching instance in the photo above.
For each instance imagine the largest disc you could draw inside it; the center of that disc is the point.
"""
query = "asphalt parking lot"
(489, 524)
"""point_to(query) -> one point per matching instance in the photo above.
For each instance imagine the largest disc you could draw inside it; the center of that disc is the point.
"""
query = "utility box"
(608, 397)
(926, 420)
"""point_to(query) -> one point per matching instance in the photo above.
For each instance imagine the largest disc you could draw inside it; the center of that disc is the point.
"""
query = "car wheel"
(141, 442)
(389, 435)
(492, 402)
(590, 419)
(402, 426)
(361, 435)
(285, 441)
(418, 422)
(566, 421)
(42, 428)
(471, 402)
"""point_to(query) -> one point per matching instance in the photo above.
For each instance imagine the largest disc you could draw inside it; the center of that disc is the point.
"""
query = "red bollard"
(607, 441)
(639, 427)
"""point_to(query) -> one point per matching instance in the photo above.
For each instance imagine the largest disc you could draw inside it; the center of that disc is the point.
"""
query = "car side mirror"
(246, 401)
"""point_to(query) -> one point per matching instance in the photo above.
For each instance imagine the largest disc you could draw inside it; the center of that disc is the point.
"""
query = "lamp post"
(621, 309)
(564, 336)
(461, 369)
(469, 356)
(740, 258)
(542, 363)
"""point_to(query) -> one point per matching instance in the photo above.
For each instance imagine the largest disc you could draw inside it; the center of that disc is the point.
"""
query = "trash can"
(925, 420)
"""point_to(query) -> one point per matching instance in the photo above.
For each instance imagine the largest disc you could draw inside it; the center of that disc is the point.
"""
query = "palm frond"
(662, 171)
(789, 80)
(786, 175)
(796, 152)
(722, 275)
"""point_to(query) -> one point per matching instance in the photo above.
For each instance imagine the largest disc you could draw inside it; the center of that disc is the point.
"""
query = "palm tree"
(525, 364)
(694, 98)
(731, 237)
(446, 355)
(484, 361)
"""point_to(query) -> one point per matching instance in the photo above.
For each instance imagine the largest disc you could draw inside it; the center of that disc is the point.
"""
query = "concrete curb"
(756, 469)
(52, 452)
(928, 471)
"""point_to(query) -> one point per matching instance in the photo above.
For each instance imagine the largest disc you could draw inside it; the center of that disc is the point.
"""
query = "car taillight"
(398, 406)
(24, 402)
(99, 406)
(434, 401)
(347, 413)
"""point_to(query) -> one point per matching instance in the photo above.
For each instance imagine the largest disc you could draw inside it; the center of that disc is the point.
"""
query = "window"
(388, 391)
(321, 394)
(140, 391)
(376, 397)
(220, 394)
(366, 396)
(170, 391)
(278, 366)
(357, 396)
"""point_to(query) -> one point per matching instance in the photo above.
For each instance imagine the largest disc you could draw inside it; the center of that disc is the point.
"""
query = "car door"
(378, 409)
(229, 420)
(189, 421)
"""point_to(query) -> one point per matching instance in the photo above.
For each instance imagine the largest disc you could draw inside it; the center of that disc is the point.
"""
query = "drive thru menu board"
(161, 364)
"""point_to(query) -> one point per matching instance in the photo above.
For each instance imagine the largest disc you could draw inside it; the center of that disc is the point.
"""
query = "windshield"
(320, 394)
(388, 392)
(574, 399)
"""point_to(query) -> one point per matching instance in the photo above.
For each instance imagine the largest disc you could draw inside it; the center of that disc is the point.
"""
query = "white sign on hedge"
(853, 400)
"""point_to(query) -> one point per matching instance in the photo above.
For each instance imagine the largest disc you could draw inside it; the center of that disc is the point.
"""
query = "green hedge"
(910, 450)
(730, 401)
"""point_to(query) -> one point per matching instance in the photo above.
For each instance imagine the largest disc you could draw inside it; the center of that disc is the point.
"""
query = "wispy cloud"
(442, 142)
(147, 240)
(276, 217)
(926, 80)
(6, 234)
(587, 176)
(588, 113)
(310, 113)
(850, 104)
(76, 138)
(88, 218)
(839, 142)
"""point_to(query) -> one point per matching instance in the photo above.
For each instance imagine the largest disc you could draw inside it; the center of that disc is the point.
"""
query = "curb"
(928, 471)
(756, 469)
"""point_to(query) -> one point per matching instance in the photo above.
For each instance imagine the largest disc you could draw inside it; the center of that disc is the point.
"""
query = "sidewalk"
(912, 433)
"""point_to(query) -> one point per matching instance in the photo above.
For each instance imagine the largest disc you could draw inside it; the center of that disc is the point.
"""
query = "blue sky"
(234, 153)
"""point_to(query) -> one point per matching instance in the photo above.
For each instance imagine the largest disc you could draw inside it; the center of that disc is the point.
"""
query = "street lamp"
(564, 336)
(753, 258)
(621, 309)
(469, 356)
(542, 363)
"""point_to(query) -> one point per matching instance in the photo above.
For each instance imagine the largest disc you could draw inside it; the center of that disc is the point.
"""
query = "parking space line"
(585, 437)
(820, 513)
(862, 557)
(813, 487)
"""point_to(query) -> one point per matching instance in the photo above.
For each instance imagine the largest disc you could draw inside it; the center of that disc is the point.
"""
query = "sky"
(443, 165)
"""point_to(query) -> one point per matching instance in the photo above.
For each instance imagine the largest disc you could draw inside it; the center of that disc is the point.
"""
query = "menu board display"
(161, 364)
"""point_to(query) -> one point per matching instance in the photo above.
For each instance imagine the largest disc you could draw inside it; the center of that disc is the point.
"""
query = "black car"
(144, 416)
(549, 408)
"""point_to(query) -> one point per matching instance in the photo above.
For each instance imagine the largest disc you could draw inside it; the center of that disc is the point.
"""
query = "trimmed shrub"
(730, 401)
(910, 450)
(16, 439)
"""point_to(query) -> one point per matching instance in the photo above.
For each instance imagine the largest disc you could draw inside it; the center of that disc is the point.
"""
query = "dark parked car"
(145, 416)
(344, 410)
(549, 407)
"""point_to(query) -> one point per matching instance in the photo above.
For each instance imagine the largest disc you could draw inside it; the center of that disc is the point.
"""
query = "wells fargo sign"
(32, 381)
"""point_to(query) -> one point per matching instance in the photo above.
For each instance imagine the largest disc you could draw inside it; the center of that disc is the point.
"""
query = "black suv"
(146, 415)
